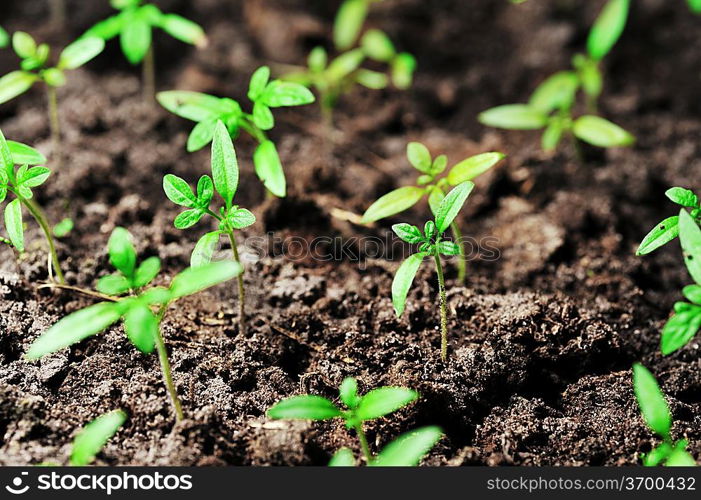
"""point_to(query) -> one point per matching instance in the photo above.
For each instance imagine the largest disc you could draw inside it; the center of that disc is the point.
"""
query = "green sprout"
(231, 217)
(141, 308)
(207, 110)
(359, 409)
(4, 38)
(332, 79)
(431, 244)
(93, 437)
(134, 25)
(19, 183)
(668, 229)
(35, 68)
(658, 418)
(550, 107)
(428, 184)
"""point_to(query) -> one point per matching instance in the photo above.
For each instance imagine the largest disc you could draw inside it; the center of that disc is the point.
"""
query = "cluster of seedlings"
(134, 296)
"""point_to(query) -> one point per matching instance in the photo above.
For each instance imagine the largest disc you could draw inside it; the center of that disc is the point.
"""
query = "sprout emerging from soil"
(141, 308)
(658, 418)
(35, 68)
(230, 217)
(134, 26)
(265, 94)
(428, 184)
(668, 229)
(333, 79)
(431, 244)
(19, 182)
(93, 437)
(407, 450)
(551, 105)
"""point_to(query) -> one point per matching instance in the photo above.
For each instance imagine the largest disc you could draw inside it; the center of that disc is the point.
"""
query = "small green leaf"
(14, 84)
(201, 135)
(403, 68)
(122, 252)
(679, 457)
(419, 156)
(448, 248)
(113, 284)
(695, 6)
(557, 92)
(348, 392)
(107, 28)
(269, 168)
(680, 329)
(661, 234)
(33, 177)
(451, 205)
(693, 293)
(318, 59)
(371, 79)
(408, 449)
(74, 328)
(305, 407)
(225, 167)
(657, 455)
(54, 77)
(393, 203)
(188, 218)
(383, 401)
(378, 46)
(14, 225)
(178, 191)
(204, 249)
(25, 155)
(607, 28)
(473, 167)
(281, 94)
(147, 271)
(241, 218)
(4, 38)
(196, 279)
(93, 437)
(196, 106)
(80, 52)
(349, 21)
(8, 163)
(513, 117)
(141, 326)
(439, 164)
(403, 280)
(600, 132)
(651, 401)
(259, 80)
(23, 44)
(345, 64)
(690, 238)
(407, 232)
(135, 38)
(263, 117)
(435, 197)
(205, 191)
(343, 458)
(183, 29)
(681, 196)
(552, 135)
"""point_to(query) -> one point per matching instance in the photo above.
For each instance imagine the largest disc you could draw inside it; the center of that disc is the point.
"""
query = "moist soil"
(542, 334)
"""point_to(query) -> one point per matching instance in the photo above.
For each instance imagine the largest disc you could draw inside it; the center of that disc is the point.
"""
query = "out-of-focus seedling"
(359, 409)
(668, 229)
(93, 437)
(140, 308)
(429, 184)
(265, 94)
(551, 106)
(4, 38)
(658, 418)
(229, 216)
(134, 25)
(430, 244)
(35, 68)
(19, 182)
(695, 6)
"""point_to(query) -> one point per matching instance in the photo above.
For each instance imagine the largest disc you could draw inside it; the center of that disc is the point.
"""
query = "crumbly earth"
(541, 339)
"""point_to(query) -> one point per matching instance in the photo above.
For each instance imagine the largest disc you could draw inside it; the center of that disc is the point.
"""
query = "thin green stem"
(364, 443)
(148, 68)
(39, 216)
(54, 121)
(166, 369)
(443, 306)
(462, 265)
(242, 291)
(77, 289)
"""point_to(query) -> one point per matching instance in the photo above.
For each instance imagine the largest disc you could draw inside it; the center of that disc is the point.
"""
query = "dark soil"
(542, 338)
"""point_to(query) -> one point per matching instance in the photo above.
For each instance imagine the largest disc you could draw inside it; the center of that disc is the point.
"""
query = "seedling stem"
(242, 292)
(364, 443)
(53, 118)
(443, 305)
(39, 216)
(165, 367)
(149, 75)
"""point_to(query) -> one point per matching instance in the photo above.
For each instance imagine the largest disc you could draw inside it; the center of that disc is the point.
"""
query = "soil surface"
(542, 338)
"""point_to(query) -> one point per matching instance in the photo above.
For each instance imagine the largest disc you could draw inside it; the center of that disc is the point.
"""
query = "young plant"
(429, 184)
(207, 110)
(35, 68)
(359, 409)
(551, 106)
(93, 437)
(230, 217)
(140, 307)
(658, 418)
(668, 229)
(134, 25)
(431, 244)
(19, 182)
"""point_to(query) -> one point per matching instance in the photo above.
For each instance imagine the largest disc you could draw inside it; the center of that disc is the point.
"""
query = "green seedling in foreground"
(668, 229)
(35, 68)
(406, 451)
(93, 437)
(19, 183)
(230, 217)
(265, 94)
(551, 106)
(139, 306)
(134, 25)
(359, 409)
(432, 245)
(658, 418)
(429, 184)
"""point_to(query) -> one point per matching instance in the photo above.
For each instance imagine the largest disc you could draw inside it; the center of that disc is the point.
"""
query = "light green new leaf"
(349, 21)
(196, 279)
(107, 28)
(201, 135)
(259, 80)
(135, 38)
(205, 191)
(690, 238)
(452, 204)
(342, 458)
(371, 79)
(74, 328)
(378, 46)
(225, 166)
(269, 168)
(80, 52)
(91, 438)
(693, 293)
(601, 132)
(402, 281)
(678, 195)
(122, 252)
(4, 38)
(113, 284)
(14, 84)
(147, 271)
(25, 155)
(178, 191)
(407, 232)
(280, 93)
(383, 401)
(204, 249)
(307, 407)
(141, 326)
(435, 197)
(403, 68)
(657, 455)
(183, 29)
(393, 203)
(196, 106)
(651, 401)
(419, 156)
(188, 218)
(661, 234)
(263, 116)
(32, 177)
(695, 6)
(408, 449)
(513, 117)
(448, 248)
(679, 457)
(680, 329)
(473, 167)
(14, 225)
(557, 92)
(23, 44)
(607, 28)
(348, 392)
(345, 64)
(241, 218)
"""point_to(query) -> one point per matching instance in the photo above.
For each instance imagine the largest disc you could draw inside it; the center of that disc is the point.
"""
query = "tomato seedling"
(430, 244)
(19, 183)
(429, 184)
(93, 437)
(668, 229)
(134, 25)
(35, 68)
(230, 217)
(207, 110)
(658, 418)
(140, 307)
